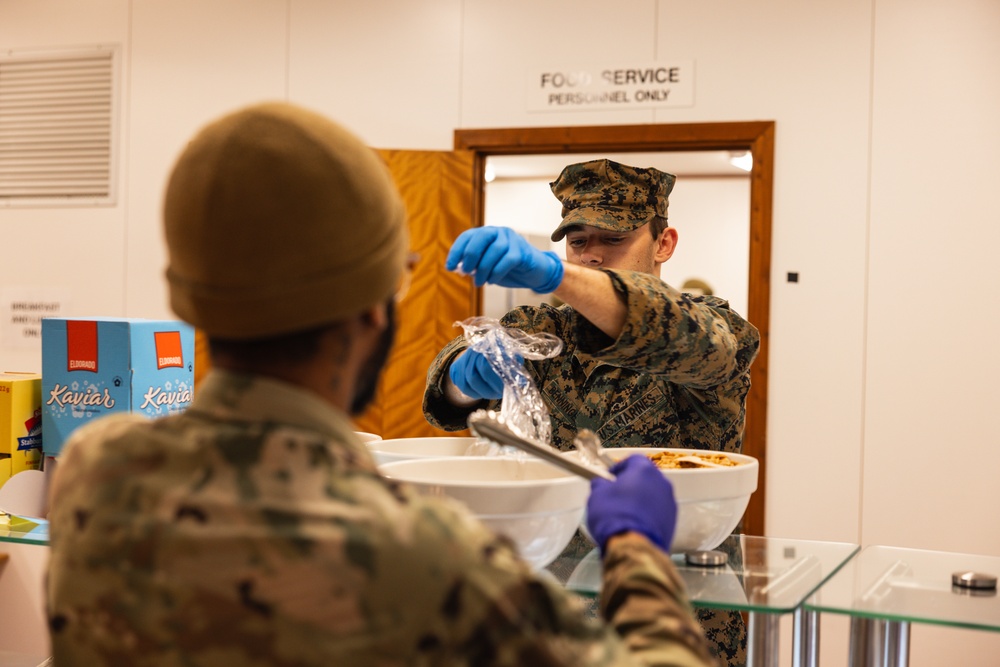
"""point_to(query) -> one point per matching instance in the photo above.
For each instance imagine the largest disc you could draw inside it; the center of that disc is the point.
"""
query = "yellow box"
(21, 420)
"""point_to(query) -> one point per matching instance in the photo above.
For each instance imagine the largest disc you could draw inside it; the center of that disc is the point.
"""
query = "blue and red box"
(95, 367)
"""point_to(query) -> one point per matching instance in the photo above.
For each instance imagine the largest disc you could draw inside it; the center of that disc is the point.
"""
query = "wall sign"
(629, 86)
(22, 310)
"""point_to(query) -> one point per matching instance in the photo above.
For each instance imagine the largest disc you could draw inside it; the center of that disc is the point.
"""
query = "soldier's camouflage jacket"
(254, 529)
(677, 376)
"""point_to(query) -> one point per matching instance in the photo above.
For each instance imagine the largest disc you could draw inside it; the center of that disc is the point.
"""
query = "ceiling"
(687, 164)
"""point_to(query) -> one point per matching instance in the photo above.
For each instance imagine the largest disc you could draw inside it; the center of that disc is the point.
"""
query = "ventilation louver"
(56, 126)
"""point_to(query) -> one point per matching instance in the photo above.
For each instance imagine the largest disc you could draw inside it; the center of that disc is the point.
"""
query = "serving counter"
(882, 589)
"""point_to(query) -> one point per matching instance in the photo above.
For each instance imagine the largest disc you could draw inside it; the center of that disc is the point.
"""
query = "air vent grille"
(57, 117)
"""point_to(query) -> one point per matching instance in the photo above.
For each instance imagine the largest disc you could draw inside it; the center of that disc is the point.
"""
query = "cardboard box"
(95, 367)
(20, 423)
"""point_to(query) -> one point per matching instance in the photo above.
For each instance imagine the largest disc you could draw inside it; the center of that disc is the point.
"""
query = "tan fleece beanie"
(278, 220)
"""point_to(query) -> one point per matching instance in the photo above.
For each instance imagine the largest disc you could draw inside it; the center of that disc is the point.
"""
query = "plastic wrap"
(506, 349)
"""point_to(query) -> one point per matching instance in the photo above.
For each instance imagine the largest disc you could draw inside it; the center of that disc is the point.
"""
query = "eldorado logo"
(168, 349)
(81, 345)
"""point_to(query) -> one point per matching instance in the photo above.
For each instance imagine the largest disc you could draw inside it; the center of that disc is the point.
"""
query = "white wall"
(881, 355)
(77, 253)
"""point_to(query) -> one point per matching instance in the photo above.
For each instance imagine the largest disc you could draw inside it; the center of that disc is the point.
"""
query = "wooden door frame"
(755, 136)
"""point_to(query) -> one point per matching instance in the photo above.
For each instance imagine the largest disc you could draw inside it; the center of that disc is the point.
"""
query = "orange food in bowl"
(667, 459)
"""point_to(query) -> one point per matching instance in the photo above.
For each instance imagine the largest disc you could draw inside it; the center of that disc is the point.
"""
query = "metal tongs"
(490, 425)
(587, 442)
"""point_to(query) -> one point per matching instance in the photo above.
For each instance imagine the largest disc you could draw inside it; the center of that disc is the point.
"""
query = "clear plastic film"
(505, 349)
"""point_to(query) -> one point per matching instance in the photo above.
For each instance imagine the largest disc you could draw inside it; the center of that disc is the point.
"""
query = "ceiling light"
(741, 160)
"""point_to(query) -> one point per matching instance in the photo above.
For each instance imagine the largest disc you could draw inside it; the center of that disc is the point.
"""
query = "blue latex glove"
(640, 500)
(501, 256)
(474, 377)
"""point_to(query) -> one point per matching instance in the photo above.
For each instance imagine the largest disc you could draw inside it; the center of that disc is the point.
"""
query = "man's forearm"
(644, 599)
(592, 294)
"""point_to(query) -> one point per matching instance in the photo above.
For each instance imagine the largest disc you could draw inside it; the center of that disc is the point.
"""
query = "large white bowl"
(710, 501)
(536, 504)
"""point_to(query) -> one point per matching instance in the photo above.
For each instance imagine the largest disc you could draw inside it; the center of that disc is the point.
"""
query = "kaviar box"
(95, 367)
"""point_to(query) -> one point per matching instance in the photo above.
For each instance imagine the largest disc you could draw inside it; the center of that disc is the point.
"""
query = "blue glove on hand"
(640, 500)
(474, 377)
(501, 256)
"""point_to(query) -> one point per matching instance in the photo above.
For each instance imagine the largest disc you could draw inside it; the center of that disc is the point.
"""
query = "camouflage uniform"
(254, 529)
(677, 376)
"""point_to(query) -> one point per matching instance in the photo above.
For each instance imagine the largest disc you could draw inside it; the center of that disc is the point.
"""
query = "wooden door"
(437, 188)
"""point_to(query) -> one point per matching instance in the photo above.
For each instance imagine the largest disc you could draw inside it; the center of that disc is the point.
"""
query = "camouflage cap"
(278, 220)
(609, 195)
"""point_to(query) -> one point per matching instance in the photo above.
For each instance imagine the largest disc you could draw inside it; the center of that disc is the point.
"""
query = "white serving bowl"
(367, 437)
(710, 501)
(536, 504)
(404, 449)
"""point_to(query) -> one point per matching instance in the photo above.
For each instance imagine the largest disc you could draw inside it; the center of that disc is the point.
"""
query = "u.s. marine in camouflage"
(676, 377)
(677, 374)
(254, 529)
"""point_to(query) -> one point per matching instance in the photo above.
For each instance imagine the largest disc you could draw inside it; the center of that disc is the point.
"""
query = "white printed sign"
(22, 310)
(637, 86)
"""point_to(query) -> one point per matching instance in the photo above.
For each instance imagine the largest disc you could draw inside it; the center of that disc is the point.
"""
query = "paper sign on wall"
(22, 310)
(630, 86)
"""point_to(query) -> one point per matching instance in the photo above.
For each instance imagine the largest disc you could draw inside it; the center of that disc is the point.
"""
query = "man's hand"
(501, 256)
(472, 374)
(640, 500)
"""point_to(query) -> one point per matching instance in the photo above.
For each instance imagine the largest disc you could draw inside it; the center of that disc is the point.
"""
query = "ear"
(665, 245)
(374, 316)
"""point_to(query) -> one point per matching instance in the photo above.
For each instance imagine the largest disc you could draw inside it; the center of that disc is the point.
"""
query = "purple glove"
(501, 256)
(474, 377)
(640, 500)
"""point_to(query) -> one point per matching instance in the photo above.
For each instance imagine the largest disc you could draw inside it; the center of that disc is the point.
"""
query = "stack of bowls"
(403, 449)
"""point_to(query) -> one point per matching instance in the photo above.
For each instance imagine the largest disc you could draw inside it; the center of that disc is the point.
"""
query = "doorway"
(710, 208)
(756, 137)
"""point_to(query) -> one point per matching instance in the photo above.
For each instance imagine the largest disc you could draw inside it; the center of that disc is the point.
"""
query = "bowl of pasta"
(712, 490)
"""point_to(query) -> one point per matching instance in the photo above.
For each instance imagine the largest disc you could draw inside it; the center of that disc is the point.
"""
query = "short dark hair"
(657, 225)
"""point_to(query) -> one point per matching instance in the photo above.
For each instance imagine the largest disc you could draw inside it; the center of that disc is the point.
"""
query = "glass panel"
(912, 585)
(25, 532)
(762, 574)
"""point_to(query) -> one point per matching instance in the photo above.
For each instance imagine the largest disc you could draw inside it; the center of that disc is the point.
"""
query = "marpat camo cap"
(279, 220)
(611, 196)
